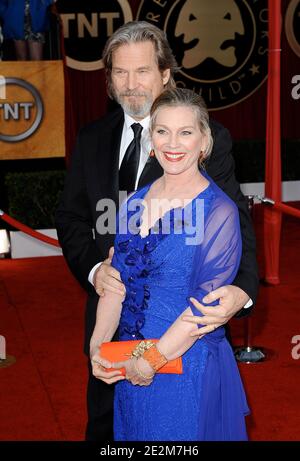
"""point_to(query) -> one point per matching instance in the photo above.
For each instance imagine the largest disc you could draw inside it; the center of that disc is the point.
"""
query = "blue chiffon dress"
(190, 251)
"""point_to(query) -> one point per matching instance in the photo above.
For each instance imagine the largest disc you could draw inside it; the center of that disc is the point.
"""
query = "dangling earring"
(200, 159)
(152, 153)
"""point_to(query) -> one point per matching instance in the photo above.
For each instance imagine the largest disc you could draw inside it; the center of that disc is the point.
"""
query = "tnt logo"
(87, 25)
(21, 109)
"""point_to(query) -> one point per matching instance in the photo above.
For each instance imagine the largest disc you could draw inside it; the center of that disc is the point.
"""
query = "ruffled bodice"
(160, 259)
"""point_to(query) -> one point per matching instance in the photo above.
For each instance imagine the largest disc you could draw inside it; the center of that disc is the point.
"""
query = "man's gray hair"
(136, 32)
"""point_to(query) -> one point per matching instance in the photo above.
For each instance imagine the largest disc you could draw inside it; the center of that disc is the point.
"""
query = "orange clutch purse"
(119, 351)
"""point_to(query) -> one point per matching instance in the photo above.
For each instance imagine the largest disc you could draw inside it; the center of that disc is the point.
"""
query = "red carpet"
(43, 394)
(41, 316)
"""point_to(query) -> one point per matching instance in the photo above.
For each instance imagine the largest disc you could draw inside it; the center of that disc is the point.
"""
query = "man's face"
(136, 78)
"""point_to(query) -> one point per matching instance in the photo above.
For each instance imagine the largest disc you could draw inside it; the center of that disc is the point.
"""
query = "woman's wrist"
(144, 366)
(95, 345)
(148, 350)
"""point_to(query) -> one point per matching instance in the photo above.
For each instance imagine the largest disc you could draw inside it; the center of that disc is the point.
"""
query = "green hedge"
(33, 197)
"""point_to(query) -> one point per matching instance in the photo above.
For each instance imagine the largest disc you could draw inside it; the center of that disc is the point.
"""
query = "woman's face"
(177, 139)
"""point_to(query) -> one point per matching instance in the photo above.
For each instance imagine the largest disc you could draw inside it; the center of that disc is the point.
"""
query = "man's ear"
(166, 76)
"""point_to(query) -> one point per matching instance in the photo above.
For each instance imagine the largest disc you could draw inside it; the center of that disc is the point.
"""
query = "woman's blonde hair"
(181, 97)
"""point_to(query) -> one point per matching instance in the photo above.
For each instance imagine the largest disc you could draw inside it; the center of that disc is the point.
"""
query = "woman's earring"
(200, 159)
(152, 153)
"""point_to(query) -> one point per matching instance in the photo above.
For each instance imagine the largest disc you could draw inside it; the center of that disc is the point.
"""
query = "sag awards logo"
(87, 25)
(292, 25)
(220, 45)
(21, 109)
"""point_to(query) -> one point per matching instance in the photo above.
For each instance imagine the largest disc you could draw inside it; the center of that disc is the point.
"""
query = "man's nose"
(132, 81)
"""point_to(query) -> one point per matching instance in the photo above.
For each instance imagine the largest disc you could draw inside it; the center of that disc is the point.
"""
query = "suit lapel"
(108, 165)
(152, 170)
(115, 154)
(109, 148)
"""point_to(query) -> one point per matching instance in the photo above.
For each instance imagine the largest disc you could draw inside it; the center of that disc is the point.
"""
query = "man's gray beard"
(135, 110)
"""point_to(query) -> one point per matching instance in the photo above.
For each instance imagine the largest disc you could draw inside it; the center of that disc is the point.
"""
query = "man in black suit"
(139, 65)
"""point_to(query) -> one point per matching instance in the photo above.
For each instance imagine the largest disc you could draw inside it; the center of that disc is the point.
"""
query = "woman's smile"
(173, 156)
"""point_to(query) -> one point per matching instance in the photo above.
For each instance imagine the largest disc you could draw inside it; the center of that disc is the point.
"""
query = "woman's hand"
(133, 369)
(231, 300)
(99, 366)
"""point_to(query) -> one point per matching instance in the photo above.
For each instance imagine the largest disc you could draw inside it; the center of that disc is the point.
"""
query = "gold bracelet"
(147, 377)
(141, 348)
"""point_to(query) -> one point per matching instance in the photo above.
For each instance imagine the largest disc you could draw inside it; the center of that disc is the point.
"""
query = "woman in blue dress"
(26, 21)
(177, 239)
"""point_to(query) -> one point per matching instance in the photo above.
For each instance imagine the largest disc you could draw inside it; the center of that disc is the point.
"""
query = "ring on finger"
(100, 290)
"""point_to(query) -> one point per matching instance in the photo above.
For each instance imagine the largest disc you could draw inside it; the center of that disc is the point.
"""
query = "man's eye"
(186, 132)
(160, 131)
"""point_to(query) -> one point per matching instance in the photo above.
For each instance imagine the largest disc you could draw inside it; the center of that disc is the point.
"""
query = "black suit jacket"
(93, 175)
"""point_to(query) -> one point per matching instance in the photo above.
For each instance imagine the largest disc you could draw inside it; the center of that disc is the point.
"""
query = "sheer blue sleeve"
(217, 258)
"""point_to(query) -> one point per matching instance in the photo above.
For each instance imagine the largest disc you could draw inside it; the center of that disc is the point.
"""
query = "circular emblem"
(87, 25)
(21, 112)
(292, 25)
(221, 46)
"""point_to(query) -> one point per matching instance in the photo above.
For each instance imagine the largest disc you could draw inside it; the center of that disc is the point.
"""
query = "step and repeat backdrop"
(221, 47)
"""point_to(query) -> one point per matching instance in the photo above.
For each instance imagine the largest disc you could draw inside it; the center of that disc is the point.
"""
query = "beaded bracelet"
(142, 375)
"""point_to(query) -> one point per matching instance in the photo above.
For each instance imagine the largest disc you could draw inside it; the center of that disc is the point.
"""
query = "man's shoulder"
(221, 137)
(217, 127)
(99, 127)
(223, 204)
